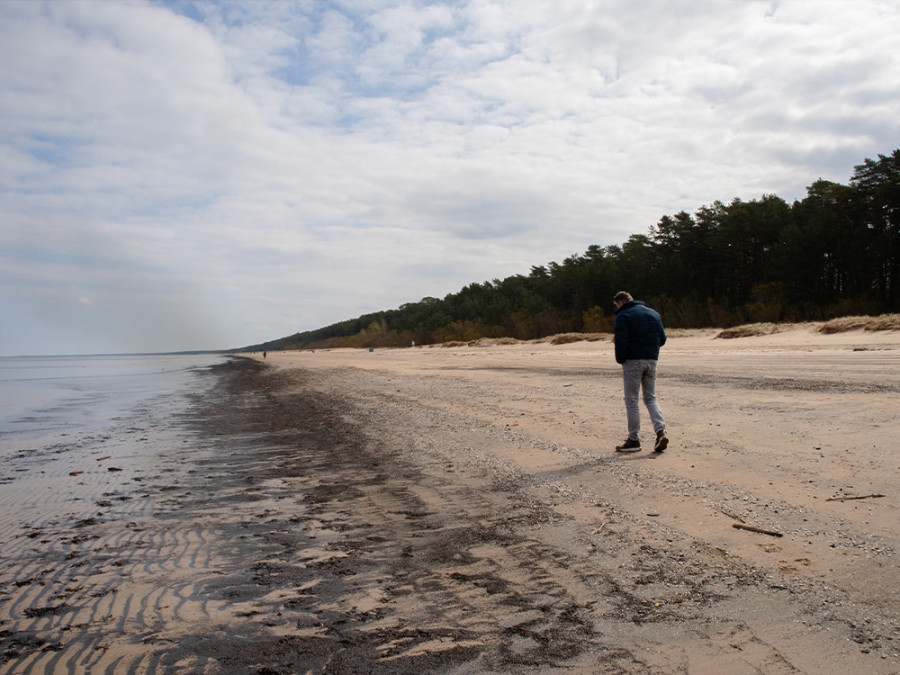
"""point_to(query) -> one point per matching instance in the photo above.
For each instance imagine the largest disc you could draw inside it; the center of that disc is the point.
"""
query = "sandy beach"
(462, 509)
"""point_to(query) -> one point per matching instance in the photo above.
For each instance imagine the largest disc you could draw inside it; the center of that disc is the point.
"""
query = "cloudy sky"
(190, 175)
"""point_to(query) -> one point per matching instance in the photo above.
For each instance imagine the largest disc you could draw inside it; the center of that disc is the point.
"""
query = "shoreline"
(461, 510)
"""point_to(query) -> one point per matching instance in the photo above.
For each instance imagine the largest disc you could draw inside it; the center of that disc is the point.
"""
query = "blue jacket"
(639, 332)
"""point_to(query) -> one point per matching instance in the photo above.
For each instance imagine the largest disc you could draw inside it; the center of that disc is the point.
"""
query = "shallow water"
(49, 395)
(69, 424)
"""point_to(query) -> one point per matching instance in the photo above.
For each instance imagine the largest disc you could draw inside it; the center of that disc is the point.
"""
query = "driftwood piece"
(844, 499)
(752, 528)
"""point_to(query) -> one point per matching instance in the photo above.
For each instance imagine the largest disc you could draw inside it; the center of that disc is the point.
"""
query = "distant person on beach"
(639, 334)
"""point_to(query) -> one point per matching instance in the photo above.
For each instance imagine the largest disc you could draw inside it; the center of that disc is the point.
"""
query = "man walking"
(639, 334)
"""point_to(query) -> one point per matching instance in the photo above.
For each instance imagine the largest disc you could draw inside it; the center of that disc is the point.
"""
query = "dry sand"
(462, 510)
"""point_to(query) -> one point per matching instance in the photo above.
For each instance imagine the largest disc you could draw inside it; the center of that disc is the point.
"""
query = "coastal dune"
(462, 509)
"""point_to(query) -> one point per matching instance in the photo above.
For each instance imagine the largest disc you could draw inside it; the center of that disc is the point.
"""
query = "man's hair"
(623, 296)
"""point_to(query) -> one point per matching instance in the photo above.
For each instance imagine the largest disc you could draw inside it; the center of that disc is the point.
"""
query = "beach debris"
(848, 497)
(75, 473)
(100, 459)
(733, 516)
(114, 468)
(753, 528)
(597, 531)
(40, 612)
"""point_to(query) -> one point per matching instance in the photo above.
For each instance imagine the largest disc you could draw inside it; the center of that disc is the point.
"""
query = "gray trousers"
(638, 374)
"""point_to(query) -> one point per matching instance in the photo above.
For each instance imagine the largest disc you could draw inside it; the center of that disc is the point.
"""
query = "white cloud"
(244, 170)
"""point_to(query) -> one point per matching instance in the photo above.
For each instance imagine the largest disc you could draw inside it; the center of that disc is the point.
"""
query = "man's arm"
(621, 338)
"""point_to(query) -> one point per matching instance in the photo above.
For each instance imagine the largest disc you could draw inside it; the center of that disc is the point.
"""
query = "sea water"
(46, 395)
(75, 428)
(58, 414)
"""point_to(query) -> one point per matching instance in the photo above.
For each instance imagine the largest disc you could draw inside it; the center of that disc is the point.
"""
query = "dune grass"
(845, 323)
(840, 325)
(750, 330)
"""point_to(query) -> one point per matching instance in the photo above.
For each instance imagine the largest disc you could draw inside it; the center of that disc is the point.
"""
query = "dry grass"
(847, 323)
(481, 342)
(491, 342)
(750, 330)
(841, 325)
(559, 339)
(569, 338)
(691, 332)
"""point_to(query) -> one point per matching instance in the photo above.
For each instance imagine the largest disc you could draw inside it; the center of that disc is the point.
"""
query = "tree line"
(834, 253)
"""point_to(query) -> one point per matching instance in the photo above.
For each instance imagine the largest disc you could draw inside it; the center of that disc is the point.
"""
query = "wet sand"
(462, 510)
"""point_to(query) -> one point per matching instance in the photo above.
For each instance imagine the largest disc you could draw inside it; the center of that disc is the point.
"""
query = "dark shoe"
(662, 441)
(629, 446)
